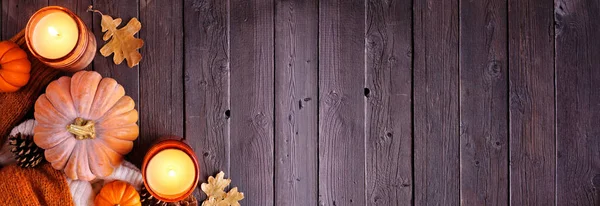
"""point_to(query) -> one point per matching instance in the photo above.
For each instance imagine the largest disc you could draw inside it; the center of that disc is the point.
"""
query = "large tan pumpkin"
(86, 124)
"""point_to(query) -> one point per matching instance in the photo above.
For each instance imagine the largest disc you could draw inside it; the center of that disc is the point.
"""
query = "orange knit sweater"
(27, 186)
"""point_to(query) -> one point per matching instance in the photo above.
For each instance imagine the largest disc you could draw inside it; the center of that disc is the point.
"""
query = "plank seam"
(228, 86)
(460, 125)
(412, 101)
(508, 102)
(365, 98)
(555, 105)
(318, 94)
(183, 69)
(273, 21)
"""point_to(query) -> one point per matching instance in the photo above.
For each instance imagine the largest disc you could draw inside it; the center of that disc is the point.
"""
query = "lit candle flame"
(53, 31)
(172, 172)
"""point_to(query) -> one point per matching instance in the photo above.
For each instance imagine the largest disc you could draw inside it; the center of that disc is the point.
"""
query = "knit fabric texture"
(42, 185)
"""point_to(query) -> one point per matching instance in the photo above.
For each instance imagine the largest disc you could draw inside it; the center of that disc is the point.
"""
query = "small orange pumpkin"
(14, 67)
(85, 124)
(117, 193)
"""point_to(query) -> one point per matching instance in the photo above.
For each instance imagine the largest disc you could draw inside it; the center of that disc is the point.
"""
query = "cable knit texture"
(42, 185)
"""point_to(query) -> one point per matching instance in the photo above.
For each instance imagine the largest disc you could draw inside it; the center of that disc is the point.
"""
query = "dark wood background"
(369, 102)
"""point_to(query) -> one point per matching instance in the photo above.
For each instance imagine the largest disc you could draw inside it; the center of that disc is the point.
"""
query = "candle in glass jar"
(55, 35)
(59, 38)
(171, 172)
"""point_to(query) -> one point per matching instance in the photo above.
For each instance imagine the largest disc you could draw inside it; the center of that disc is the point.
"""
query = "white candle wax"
(55, 35)
(170, 172)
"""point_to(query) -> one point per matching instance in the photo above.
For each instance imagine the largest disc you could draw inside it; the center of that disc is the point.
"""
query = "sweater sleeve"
(42, 185)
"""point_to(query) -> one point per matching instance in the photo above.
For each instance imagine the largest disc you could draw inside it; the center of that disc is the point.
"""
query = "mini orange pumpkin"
(86, 124)
(14, 67)
(117, 193)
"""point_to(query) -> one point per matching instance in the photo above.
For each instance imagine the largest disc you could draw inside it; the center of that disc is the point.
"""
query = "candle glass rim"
(81, 36)
(164, 145)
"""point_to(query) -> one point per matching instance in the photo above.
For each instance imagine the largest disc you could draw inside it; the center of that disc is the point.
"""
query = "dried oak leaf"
(210, 202)
(216, 186)
(232, 198)
(122, 42)
(214, 189)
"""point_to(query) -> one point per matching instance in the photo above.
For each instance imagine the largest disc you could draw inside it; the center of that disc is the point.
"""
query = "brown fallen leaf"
(216, 195)
(122, 42)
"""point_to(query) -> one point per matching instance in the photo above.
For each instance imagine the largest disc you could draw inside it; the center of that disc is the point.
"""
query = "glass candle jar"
(170, 170)
(60, 39)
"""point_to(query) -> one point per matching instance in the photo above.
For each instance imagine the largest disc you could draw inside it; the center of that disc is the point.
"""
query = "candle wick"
(172, 172)
(53, 31)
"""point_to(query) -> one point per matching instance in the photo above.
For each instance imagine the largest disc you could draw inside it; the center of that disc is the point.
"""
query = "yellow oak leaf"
(121, 42)
(216, 186)
(232, 198)
(215, 192)
(210, 202)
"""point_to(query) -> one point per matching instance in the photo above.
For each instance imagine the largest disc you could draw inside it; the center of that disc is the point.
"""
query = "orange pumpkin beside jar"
(14, 67)
(117, 193)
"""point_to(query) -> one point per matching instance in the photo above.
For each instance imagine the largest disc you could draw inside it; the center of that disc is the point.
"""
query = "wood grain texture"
(296, 101)
(252, 99)
(16, 13)
(128, 77)
(531, 104)
(388, 109)
(436, 104)
(206, 82)
(341, 102)
(161, 74)
(483, 103)
(320, 102)
(77, 7)
(577, 102)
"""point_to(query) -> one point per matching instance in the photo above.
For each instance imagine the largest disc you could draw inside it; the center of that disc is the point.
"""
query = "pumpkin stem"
(82, 129)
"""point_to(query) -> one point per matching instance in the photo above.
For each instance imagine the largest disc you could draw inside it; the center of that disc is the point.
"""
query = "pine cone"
(26, 152)
(147, 199)
(189, 201)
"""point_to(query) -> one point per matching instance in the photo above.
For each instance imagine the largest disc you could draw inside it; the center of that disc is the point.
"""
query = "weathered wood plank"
(296, 101)
(16, 13)
(252, 98)
(341, 102)
(577, 102)
(531, 106)
(436, 106)
(161, 74)
(483, 103)
(128, 77)
(388, 108)
(206, 73)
